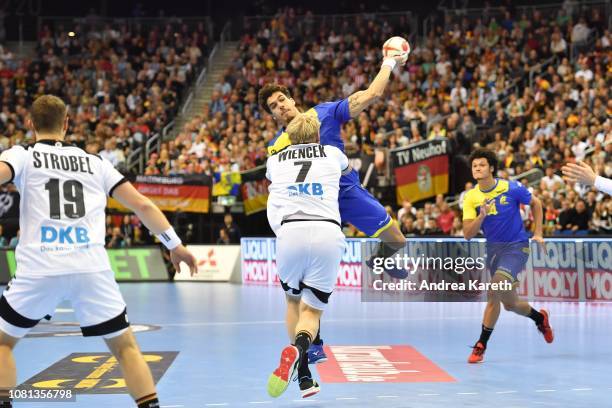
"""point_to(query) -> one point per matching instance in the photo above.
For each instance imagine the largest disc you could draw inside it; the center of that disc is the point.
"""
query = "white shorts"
(308, 255)
(95, 297)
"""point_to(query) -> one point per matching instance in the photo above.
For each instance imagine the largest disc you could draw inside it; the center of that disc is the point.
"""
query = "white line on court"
(261, 322)
(390, 396)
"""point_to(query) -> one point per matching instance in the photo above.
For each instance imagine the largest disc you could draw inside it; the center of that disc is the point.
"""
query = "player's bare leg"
(491, 314)
(393, 237)
(293, 315)
(309, 320)
(295, 356)
(493, 309)
(8, 373)
(305, 332)
(512, 302)
(135, 370)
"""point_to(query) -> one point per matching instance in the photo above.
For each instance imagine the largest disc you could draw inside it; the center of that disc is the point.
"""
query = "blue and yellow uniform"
(357, 206)
(507, 240)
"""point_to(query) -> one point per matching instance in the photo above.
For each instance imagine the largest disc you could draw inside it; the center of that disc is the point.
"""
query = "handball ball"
(395, 47)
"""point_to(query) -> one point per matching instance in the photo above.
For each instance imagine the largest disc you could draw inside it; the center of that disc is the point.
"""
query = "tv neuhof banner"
(187, 193)
(421, 170)
(254, 190)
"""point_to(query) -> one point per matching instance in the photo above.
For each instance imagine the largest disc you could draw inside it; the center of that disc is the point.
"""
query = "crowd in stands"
(504, 80)
(122, 82)
(532, 86)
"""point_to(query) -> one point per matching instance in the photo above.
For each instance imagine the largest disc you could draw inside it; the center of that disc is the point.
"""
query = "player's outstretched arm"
(156, 222)
(6, 174)
(582, 173)
(360, 100)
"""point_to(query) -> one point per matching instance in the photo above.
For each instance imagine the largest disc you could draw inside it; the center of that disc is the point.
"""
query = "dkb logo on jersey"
(64, 235)
(314, 189)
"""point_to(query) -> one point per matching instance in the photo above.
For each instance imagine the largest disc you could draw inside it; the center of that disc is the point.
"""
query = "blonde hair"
(48, 114)
(303, 128)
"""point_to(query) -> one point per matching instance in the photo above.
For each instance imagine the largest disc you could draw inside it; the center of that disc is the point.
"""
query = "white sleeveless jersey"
(305, 180)
(61, 213)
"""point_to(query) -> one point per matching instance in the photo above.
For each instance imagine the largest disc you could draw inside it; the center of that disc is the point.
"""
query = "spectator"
(116, 239)
(224, 238)
(563, 222)
(231, 228)
(407, 227)
(406, 210)
(602, 218)
(445, 219)
(457, 230)
(551, 180)
(580, 32)
(112, 153)
(579, 220)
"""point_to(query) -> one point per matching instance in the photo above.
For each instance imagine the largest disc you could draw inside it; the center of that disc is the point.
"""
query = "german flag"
(422, 179)
(167, 197)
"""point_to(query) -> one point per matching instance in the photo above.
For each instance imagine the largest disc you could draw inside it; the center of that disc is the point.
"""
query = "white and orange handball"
(396, 47)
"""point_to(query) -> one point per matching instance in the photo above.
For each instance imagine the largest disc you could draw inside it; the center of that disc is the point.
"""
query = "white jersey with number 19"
(63, 196)
(305, 180)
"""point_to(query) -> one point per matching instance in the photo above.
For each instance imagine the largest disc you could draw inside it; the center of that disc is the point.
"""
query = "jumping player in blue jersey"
(357, 205)
(493, 206)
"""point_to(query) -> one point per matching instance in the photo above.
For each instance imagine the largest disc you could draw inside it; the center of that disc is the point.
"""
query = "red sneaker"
(545, 328)
(280, 378)
(477, 353)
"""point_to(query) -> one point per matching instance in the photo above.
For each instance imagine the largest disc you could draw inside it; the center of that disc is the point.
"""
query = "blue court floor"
(228, 338)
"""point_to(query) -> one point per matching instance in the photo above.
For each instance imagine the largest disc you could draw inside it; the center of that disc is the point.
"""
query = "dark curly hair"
(267, 91)
(488, 154)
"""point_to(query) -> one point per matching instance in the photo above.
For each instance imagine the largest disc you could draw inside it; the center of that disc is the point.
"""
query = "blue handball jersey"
(503, 223)
(357, 206)
(331, 116)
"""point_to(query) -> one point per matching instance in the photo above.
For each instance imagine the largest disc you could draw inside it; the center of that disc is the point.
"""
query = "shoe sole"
(311, 391)
(552, 332)
(276, 385)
